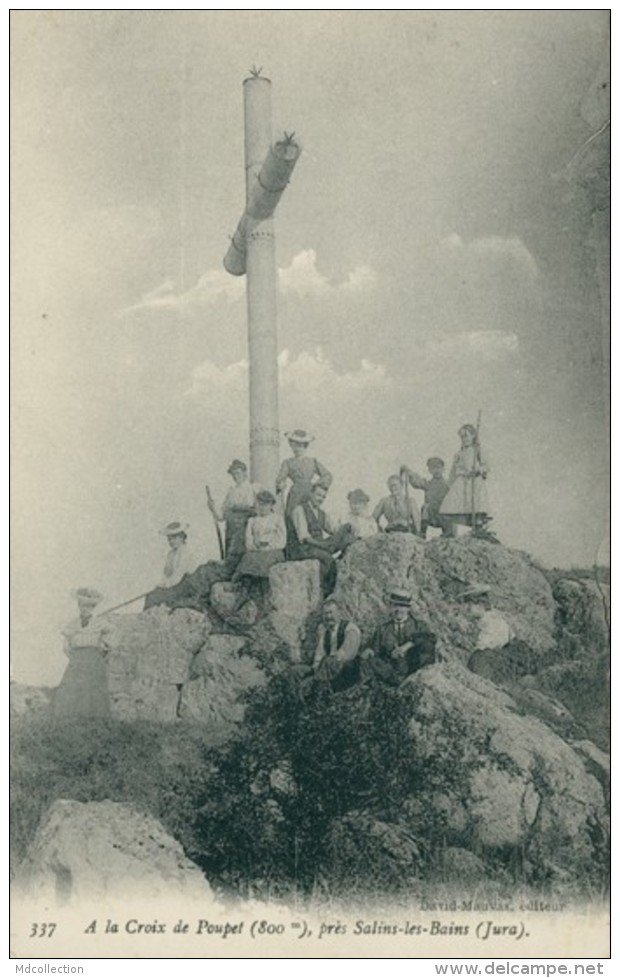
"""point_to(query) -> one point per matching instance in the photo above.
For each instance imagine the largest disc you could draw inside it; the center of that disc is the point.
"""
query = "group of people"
(264, 528)
(261, 529)
(399, 646)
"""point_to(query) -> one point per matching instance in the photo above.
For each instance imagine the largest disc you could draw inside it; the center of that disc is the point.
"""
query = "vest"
(316, 521)
(327, 637)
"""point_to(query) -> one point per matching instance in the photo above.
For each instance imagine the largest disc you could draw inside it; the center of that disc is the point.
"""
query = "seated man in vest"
(400, 645)
(336, 660)
(312, 536)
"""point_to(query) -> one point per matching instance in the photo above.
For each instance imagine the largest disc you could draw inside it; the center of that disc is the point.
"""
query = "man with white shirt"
(336, 660)
(312, 536)
(498, 654)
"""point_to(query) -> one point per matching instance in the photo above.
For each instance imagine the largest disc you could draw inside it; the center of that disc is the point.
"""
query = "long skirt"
(258, 563)
(297, 494)
(236, 521)
(83, 689)
(465, 497)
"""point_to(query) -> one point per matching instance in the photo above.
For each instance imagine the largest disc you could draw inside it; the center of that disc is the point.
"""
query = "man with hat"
(302, 470)
(239, 506)
(180, 560)
(400, 645)
(435, 490)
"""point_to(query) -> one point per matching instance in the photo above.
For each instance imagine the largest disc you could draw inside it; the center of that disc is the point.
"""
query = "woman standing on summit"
(466, 501)
(302, 470)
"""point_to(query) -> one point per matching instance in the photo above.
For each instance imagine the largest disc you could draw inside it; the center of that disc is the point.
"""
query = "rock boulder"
(105, 849)
(583, 613)
(220, 680)
(437, 572)
(518, 785)
(295, 595)
(150, 658)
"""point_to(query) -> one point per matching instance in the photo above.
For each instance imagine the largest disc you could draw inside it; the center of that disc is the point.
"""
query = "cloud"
(495, 246)
(218, 382)
(308, 374)
(301, 278)
(491, 345)
(212, 285)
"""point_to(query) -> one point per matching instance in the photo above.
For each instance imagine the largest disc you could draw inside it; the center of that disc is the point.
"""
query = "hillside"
(455, 777)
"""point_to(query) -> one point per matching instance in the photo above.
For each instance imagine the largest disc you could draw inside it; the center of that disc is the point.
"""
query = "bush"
(158, 769)
(305, 768)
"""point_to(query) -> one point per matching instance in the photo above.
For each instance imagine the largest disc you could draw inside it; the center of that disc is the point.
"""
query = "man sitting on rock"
(336, 660)
(312, 536)
(400, 645)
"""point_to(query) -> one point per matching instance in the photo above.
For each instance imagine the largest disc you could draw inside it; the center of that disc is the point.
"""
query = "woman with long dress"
(239, 505)
(466, 502)
(265, 539)
(83, 689)
(302, 470)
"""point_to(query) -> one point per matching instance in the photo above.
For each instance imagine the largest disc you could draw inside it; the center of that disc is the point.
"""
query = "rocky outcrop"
(521, 787)
(150, 658)
(437, 572)
(295, 594)
(219, 680)
(582, 685)
(596, 761)
(100, 850)
(583, 614)
(225, 601)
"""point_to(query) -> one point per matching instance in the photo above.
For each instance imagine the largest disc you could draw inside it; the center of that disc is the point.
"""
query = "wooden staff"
(410, 520)
(215, 520)
(123, 604)
(475, 462)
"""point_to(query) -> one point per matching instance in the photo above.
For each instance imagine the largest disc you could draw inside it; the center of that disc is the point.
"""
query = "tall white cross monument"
(252, 252)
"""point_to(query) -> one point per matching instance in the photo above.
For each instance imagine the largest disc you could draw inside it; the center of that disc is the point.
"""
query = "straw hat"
(87, 596)
(171, 529)
(300, 436)
(399, 596)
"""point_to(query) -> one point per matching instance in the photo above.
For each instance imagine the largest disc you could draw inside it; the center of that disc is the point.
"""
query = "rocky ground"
(500, 774)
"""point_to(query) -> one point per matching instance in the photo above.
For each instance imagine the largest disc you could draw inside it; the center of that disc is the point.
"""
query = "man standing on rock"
(400, 645)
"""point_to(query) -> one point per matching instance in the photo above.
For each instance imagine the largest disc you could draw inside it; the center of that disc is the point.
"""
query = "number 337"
(42, 930)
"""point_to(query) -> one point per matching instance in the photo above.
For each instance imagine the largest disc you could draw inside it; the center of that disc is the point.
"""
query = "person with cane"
(466, 501)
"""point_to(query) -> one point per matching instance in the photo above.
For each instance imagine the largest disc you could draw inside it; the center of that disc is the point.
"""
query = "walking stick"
(215, 520)
(410, 519)
(123, 604)
(474, 464)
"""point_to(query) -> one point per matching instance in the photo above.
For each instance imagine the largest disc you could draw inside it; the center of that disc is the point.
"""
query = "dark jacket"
(388, 636)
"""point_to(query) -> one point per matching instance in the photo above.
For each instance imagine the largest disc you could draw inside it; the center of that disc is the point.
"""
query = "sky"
(442, 250)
